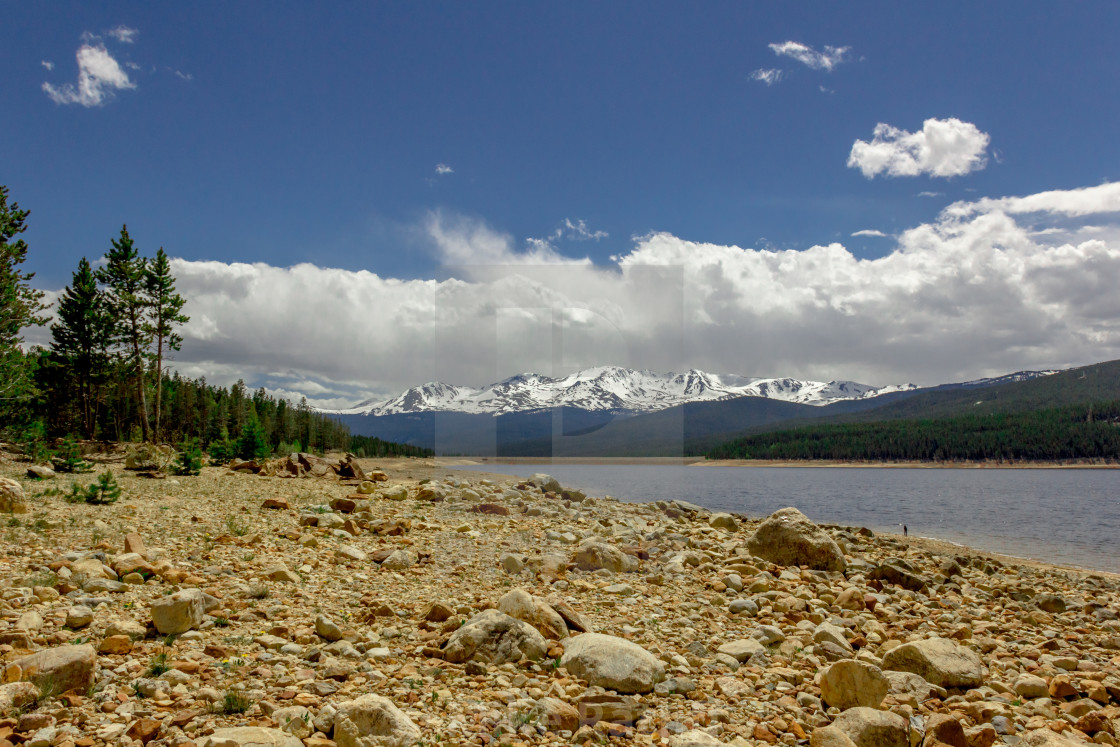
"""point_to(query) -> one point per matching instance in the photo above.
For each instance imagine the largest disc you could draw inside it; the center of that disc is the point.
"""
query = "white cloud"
(48, 65)
(871, 232)
(123, 34)
(803, 53)
(181, 75)
(931, 194)
(984, 289)
(943, 147)
(767, 75)
(443, 169)
(99, 75)
(576, 231)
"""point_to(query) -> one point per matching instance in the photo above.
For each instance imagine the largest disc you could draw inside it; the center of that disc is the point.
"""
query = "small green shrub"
(189, 459)
(234, 702)
(100, 493)
(68, 457)
(236, 527)
(157, 665)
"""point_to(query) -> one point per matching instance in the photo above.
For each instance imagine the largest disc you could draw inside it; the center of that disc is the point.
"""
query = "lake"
(1070, 517)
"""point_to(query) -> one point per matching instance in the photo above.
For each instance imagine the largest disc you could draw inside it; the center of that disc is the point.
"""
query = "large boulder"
(12, 500)
(17, 695)
(829, 736)
(522, 605)
(787, 537)
(148, 457)
(612, 663)
(595, 555)
(57, 670)
(250, 736)
(868, 727)
(693, 738)
(373, 721)
(1049, 738)
(742, 649)
(545, 482)
(182, 611)
(853, 684)
(494, 637)
(938, 661)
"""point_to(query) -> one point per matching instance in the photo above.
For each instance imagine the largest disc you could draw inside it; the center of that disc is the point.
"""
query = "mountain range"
(614, 411)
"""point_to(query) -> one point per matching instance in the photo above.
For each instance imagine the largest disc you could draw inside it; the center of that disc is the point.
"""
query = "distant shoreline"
(817, 463)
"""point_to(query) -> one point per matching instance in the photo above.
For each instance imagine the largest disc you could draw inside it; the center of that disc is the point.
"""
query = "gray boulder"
(787, 537)
(867, 727)
(612, 663)
(595, 555)
(494, 637)
(938, 661)
(373, 721)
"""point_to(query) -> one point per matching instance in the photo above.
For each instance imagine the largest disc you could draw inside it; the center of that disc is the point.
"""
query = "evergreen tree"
(124, 276)
(20, 304)
(164, 315)
(253, 443)
(81, 339)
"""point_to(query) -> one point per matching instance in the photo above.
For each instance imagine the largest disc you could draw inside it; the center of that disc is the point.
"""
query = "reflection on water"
(1071, 517)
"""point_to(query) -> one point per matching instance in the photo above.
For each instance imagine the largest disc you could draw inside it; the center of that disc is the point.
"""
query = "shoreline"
(807, 463)
(922, 542)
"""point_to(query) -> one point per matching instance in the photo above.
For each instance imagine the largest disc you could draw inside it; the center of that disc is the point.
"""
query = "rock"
(39, 472)
(133, 542)
(249, 736)
(131, 562)
(596, 555)
(547, 483)
(574, 620)
(554, 714)
(943, 728)
(693, 738)
(78, 616)
(1051, 603)
(511, 563)
(149, 457)
(867, 727)
(17, 695)
(115, 644)
(742, 649)
(144, 730)
(826, 632)
(740, 606)
(295, 720)
(373, 721)
(899, 572)
(853, 684)
(60, 669)
(612, 663)
(400, 560)
(128, 628)
(326, 629)
(182, 611)
(494, 637)
(938, 661)
(1048, 738)
(521, 605)
(908, 683)
(788, 538)
(437, 612)
(723, 521)
(12, 500)
(277, 504)
(829, 736)
(595, 705)
(1030, 686)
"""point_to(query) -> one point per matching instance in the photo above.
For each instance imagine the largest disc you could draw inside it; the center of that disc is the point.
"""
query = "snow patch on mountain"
(613, 388)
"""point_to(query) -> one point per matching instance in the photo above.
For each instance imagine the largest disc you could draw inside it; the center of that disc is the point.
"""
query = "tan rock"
(611, 662)
(249, 736)
(494, 637)
(868, 727)
(787, 537)
(373, 721)
(12, 500)
(829, 736)
(939, 661)
(522, 605)
(851, 684)
(60, 669)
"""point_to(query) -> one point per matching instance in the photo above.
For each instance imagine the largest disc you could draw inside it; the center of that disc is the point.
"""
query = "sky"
(360, 197)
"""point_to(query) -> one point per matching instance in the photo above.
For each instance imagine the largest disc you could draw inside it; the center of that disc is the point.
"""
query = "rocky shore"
(424, 606)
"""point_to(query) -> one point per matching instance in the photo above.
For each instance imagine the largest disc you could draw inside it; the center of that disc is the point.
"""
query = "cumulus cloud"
(870, 232)
(943, 147)
(984, 289)
(442, 169)
(47, 64)
(123, 34)
(99, 77)
(576, 231)
(827, 59)
(767, 75)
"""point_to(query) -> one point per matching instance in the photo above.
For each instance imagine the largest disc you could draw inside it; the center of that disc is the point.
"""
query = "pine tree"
(253, 444)
(124, 279)
(164, 315)
(81, 338)
(20, 304)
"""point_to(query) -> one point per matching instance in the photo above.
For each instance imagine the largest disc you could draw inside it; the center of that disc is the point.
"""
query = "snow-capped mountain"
(614, 389)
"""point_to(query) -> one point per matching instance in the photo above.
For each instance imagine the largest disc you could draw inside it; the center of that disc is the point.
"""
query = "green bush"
(100, 493)
(68, 457)
(189, 460)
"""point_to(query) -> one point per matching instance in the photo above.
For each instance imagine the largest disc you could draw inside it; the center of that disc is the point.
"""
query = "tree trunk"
(145, 430)
(159, 384)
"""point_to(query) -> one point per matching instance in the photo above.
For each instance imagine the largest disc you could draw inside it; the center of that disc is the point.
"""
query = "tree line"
(105, 375)
(1071, 433)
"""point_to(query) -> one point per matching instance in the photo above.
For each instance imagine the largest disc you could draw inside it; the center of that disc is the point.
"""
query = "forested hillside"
(1076, 432)
(105, 375)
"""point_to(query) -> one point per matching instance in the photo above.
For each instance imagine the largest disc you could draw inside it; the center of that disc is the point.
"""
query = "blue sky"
(405, 141)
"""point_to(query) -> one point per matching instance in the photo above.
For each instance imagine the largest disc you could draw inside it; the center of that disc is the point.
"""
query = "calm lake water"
(1070, 517)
